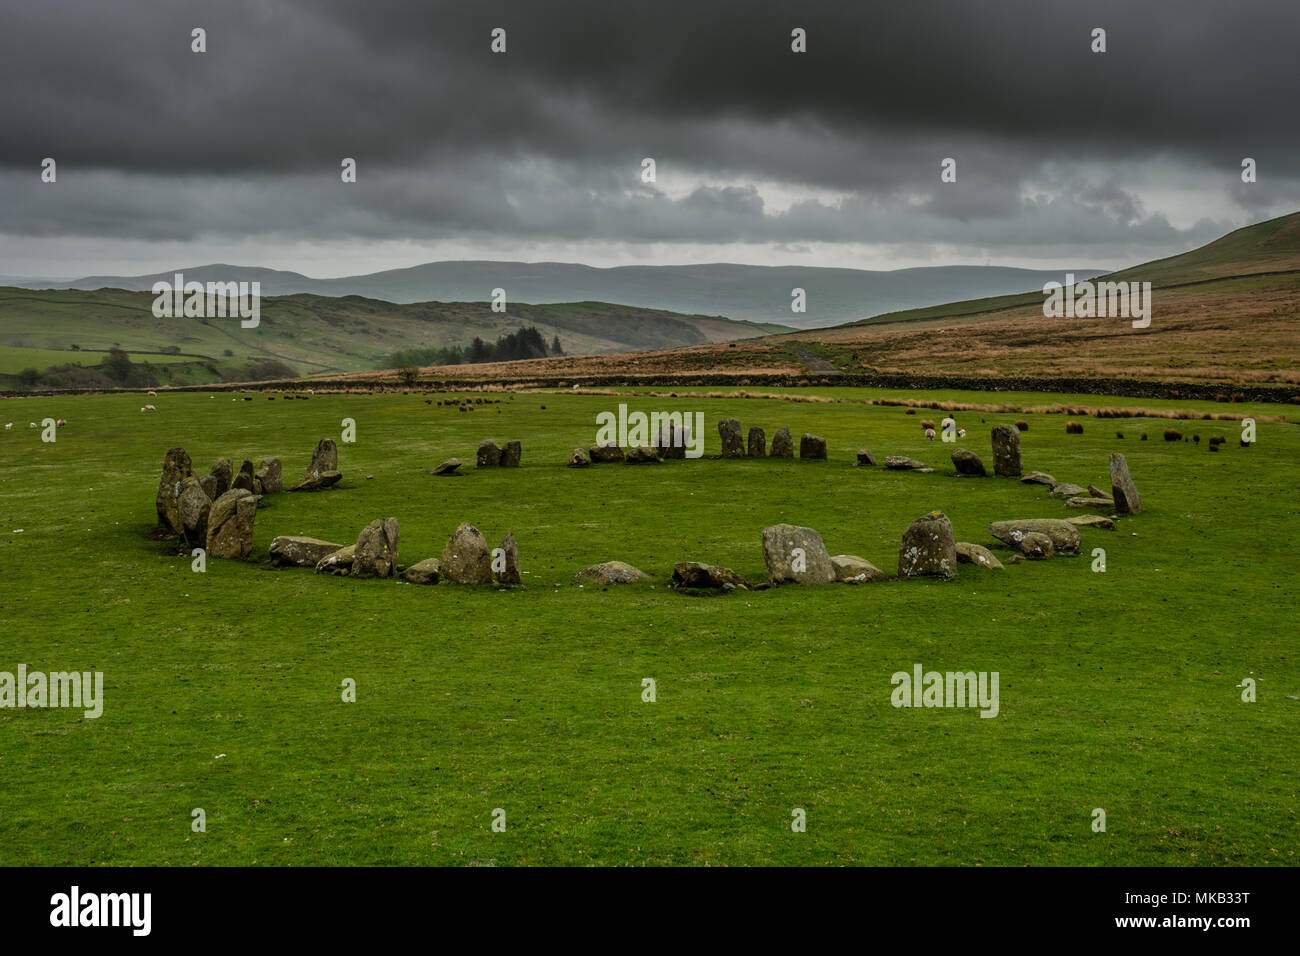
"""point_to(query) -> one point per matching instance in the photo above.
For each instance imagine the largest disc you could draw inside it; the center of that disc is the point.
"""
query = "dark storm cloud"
(155, 142)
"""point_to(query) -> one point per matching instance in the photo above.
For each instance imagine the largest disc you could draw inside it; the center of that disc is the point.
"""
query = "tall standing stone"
(782, 444)
(812, 448)
(466, 558)
(270, 475)
(1006, 451)
(222, 473)
(230, 524)
(929, 548)
(796, 554)
(176, 468)
(194, 507)
(245, 477)
(512, 454)
(375, 554)
(489, 454)
(757, 443)
(733, 446)
(324, 468)
(1122, 489)
(509, 573)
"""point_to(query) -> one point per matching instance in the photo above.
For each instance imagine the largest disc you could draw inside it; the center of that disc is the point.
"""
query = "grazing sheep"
(153, 394)
(1173, 434)
(929, 433)
(1196, 439)
(1073, 428)
(927, 425)
(1022, 426)
(961, 433)
(9, 426)
(63, 421)
(1216, 440)
(31, 424)
(1144, 437)
(1119, 434)
(148, 408)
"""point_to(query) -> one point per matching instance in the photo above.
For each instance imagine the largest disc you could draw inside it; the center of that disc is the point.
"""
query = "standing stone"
(512, 454)
(375, 554)
(1125, 493)
(230, 524)
(194, 507)
(865, 457)
(782, 444)
(509, 574)
(323, 471)
(579, 458)
(222, 472)
(756, 446)
(489, 454)
(245, 477)
(466, 558)
(929, 548)
(733, 446)
(812, 448)
(672, 440)
(209, 483)
(1006, 451)
(270, 475)
(176, 468)
(968, 463)
(796, 554)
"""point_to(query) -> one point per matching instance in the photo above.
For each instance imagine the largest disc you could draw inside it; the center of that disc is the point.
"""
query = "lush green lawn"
(1118, 690)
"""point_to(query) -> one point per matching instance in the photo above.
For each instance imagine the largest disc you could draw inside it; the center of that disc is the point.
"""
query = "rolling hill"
(316, 334)
(752, 293)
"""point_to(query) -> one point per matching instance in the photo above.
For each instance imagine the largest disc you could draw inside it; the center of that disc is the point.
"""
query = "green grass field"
(1119, 690)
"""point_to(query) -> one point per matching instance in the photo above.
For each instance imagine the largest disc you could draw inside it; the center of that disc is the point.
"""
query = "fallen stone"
(1097, 492)
(695, 575)
(1006, 451)
(929, 548)
(1091, 521)
(447, 467)
(1127, 499)
(1036, 546)
(1089, 502)
(611, 572)
(794, 553)
(850, 569)
(466, 559)
(902, 463)
(812, 448)
(641, 456)
(865, 457)
(1038, 478)
(606, 453)
(1063, 535)
(579, 458)
(422, 572)
(968, 553)
(968, 463)
(339, 562)
(300, 552)
(1066, 489)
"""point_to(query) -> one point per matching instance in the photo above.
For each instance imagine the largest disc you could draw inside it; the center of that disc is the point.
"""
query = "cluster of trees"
(116, 369)
(527, 343)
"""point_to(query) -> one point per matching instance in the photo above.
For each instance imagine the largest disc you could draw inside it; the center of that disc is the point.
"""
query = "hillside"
(43, 328)
(753, 293)
(1227, 312)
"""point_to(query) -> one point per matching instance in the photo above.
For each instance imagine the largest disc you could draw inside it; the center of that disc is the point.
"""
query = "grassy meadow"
(1119, 690)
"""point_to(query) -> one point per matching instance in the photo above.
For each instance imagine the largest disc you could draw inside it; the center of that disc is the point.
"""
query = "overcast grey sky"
(167, 158)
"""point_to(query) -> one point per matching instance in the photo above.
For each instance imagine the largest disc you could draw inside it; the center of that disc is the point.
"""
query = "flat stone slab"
(1091, 521)
(611, 572)
(447, 467)
(300, 552)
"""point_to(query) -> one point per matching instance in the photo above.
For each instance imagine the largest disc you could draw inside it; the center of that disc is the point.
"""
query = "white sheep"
(61, 422)
(929, 433)
(961, 433)
(9, 426)
(153, 394)
(31, 425)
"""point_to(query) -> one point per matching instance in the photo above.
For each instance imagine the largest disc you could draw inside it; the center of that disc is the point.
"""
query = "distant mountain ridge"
(749, 293)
